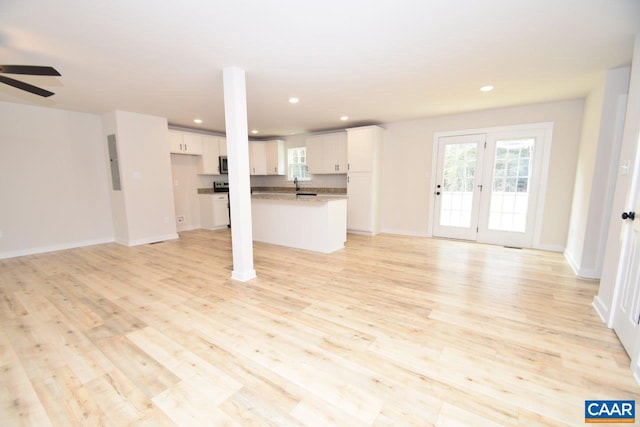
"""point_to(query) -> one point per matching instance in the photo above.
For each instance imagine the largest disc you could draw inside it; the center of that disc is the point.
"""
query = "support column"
(235, 112)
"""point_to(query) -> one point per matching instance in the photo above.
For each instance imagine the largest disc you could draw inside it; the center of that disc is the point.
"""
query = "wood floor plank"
(390, 330)
(149, 376)
(123, 403)
(67, 401)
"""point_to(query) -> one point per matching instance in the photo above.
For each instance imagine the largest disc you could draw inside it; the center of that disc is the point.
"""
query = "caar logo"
(609, 411)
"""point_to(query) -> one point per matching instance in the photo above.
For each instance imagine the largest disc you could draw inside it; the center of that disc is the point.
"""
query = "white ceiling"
(375, 61)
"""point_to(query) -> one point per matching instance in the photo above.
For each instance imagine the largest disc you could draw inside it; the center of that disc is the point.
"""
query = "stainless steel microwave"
(223, 165)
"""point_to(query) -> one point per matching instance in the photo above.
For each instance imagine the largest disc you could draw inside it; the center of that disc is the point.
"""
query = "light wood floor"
(389, 331)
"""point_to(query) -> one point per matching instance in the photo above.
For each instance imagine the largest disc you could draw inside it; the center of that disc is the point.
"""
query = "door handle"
(629, 215)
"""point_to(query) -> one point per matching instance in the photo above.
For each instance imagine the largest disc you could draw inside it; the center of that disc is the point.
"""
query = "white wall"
(118, 209)
(407, 162)
(145, 172)
(53, 180)
(595, 174)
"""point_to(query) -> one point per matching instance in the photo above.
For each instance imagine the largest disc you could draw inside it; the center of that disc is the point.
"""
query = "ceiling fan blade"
(32, 70)
(25, 86)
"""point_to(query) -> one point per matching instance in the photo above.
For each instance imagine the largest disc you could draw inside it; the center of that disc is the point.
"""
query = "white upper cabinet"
(315, 155)
(257, 158)
(208, 163)
(185, 142)
(222, 145)
(275, 157)
(266, 157)
(327, 153)
(361, 148)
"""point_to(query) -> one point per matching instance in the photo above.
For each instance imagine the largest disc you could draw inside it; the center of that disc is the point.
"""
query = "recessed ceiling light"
(294, 100)
(198, 121)
(254, 131)
(487, 88)
(344, 118)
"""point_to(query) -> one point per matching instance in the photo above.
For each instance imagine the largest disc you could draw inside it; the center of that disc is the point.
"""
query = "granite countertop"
(292, 190)
(336, 193)
(293, 197)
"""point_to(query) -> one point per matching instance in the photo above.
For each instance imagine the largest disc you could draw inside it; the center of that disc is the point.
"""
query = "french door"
(487, 186)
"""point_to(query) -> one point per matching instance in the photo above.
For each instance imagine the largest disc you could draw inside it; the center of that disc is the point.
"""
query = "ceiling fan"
(31, 70)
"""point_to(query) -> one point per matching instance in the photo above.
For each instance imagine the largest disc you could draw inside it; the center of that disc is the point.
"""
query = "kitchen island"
(315, 223)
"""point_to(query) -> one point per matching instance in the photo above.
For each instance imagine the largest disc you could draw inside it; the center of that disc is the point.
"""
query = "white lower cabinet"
(214, 210)
(362, 216)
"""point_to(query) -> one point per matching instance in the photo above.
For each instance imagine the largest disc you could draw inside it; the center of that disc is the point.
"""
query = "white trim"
(542, 185)
(53, 248)
(580, 272)
(403, 232)
(154, 239)
(243, 276)
(636, 374)
(550, 248)
(434, 178)
(547, 127)
(602, 311)
(189, 227)
(361, 233)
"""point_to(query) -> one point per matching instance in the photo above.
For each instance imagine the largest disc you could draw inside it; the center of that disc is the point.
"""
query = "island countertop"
(301, 198)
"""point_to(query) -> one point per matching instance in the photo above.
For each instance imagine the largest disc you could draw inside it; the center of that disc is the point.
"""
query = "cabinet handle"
(180, 147)
(275, 169)
(348, 166)
(185, 147)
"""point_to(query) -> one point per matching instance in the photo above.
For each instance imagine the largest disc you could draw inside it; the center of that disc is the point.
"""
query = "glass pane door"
(513, 162)
(456, 202)
(510, 185)
(458, 181)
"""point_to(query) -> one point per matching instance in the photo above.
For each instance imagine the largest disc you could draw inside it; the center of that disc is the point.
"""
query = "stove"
(220, 187)
(223, 187)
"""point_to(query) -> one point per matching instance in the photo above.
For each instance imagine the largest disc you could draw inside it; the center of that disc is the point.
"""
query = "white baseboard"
(153, 239)
(243, 276)
(585, 273)
(53, 248)
(405, 232)
(361, 233)
(550, 248)
(188, 227)
(602, 310)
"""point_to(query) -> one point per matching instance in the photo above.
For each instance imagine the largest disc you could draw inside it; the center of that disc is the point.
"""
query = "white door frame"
(545, 127)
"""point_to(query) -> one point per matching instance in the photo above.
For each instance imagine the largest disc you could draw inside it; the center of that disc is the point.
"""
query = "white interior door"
(510, 187)
(627, 311)
(458, 185)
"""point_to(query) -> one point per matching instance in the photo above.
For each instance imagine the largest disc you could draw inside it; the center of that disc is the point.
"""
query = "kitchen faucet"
(295, 181)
